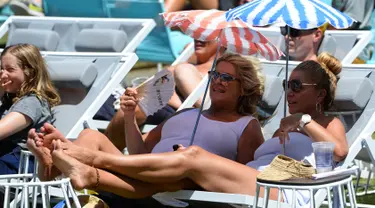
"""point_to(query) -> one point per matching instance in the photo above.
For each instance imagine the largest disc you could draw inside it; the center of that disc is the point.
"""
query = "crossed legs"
(53, 150)
(137, 176)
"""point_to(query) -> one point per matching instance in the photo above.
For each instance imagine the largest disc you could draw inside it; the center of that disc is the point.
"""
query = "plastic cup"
(139, 80)
(323, 152)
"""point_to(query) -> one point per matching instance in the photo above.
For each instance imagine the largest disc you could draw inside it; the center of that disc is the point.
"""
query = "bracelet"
(97, 178)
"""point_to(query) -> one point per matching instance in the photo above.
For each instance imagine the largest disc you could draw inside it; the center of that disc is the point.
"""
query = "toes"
(39, 144)
(48, 128)
(31, 133)
(30, 143)
(56, 145)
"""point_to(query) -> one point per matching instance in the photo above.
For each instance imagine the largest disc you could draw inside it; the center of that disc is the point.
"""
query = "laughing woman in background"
(27, 95)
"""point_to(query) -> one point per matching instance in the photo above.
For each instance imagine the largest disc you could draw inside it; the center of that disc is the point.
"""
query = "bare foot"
(50, 133)
(41, 153)
(81, 175)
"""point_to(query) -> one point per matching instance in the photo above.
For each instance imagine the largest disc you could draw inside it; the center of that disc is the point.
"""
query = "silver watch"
(305, 119)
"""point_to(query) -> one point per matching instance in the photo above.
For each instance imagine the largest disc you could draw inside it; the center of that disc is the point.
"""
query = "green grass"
(369, 198)
(366, 199)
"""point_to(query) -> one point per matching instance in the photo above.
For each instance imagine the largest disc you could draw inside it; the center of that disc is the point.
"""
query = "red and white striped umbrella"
(236, 36)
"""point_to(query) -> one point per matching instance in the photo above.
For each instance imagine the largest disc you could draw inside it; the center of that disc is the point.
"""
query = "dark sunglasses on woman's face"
(224, 77)
(293, 32)
(296, 85)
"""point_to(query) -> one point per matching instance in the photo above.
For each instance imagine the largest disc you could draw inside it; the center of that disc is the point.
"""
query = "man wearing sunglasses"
(303, 44)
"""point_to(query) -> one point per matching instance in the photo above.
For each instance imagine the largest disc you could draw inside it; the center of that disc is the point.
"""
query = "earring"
(318, 107)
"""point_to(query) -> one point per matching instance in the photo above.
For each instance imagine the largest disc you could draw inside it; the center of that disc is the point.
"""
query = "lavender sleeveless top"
(299, 148)
(217, 137)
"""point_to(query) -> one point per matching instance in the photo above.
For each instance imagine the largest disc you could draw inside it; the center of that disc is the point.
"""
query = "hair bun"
(330, 63)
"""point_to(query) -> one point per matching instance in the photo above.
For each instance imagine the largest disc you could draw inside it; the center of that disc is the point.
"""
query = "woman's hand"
(128, 102)
(289, 124)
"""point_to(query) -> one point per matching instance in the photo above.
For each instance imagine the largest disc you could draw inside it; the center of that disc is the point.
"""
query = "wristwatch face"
(306, 118)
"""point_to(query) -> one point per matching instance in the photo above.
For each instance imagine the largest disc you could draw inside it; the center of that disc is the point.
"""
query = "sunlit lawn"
(369, 198)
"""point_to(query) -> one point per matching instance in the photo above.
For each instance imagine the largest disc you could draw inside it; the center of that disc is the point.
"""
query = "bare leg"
(87, 140)
(211, 172)
(84, 176)
(194, 163)
(115, 131)
(187, 78)
(95, 140)
(46, 170)
(174, 5)
(178, 5)
(40, 145)
(175, 101)
(205, 4)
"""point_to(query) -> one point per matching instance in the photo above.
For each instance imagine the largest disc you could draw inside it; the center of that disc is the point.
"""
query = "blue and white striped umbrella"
(298, 14)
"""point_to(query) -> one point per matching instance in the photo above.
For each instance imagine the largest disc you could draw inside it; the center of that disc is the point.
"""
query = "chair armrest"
(99, 124)
(195, 95)
(185, 55)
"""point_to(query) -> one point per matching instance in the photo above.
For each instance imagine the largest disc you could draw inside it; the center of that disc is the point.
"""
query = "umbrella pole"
(286, 79)
(205, 92)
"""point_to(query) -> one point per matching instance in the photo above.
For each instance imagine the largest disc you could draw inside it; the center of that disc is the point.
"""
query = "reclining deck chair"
(354, 104)
(162, 45)
(96, 74)
(68, 36)
(74, 35)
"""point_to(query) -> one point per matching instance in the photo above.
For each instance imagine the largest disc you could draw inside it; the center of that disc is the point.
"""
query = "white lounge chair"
(355, 105)
(28, 191)
(97, 74)
(67, 34)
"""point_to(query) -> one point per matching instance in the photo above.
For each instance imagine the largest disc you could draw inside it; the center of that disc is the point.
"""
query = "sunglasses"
(294, 32)
(224, 77)
(296, 85)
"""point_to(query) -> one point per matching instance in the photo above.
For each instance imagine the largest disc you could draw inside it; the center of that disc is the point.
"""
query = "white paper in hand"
(155, 92)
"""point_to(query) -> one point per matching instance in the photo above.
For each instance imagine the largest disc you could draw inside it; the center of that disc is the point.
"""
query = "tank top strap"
(241, 124)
